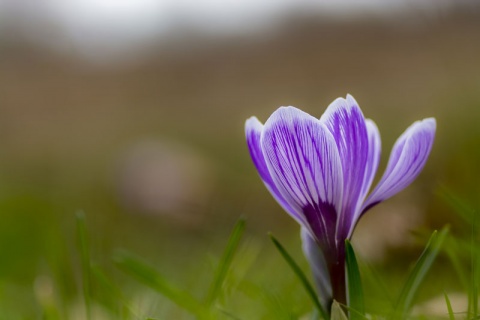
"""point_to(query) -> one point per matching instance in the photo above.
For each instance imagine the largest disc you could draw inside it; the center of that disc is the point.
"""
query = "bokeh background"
(133, 112)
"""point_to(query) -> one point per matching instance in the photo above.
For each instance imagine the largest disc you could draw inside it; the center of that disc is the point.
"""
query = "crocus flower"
(321, 170)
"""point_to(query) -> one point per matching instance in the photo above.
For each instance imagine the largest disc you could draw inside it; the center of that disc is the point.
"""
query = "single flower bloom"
(321, 170)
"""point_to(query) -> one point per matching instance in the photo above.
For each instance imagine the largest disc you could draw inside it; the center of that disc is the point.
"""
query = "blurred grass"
(64, 126)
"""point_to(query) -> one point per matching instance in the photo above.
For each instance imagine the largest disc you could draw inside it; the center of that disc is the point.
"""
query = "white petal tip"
(425, 125)
(252, 122)
(430, 122)
(253, 127)
(351, 100)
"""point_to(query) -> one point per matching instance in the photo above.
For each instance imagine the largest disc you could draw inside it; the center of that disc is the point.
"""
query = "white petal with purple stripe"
(407, 159)
(253, 132)
(345, 121)
(305, 165)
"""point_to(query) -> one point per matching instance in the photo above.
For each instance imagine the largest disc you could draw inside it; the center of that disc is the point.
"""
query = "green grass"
(240, 275)
(216, 298)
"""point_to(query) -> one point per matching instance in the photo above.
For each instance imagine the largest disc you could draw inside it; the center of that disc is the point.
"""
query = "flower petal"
(407, 159)
(253, 131)
(319, 267)
(303, 160)
(374, 151)
(345, 121)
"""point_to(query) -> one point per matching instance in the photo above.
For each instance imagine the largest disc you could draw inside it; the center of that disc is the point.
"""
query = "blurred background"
(133, 112)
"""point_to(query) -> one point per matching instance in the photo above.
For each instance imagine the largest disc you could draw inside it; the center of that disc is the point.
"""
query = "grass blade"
(125, 311)
(85, 260)
(453, 250)
(354, 284)
(458, 205)
(473, 292)
(226, 261)
(418, 273)
(147, 275)
(301, 276)
(451, 315)
(470, 216)
(337, 312)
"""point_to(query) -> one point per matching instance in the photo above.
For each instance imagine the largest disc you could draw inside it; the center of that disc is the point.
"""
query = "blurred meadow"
(145, 136)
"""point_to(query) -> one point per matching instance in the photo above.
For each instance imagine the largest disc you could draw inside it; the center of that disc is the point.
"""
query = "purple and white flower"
(321, 170)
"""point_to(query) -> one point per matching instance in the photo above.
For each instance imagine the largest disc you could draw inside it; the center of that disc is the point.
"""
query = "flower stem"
(338, 278)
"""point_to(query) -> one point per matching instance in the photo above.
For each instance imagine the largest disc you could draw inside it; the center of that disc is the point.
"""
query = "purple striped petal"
(407, 159)
(317, 262)
(253, 131)
(374, 151)
(345, 121)
(304, 163)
